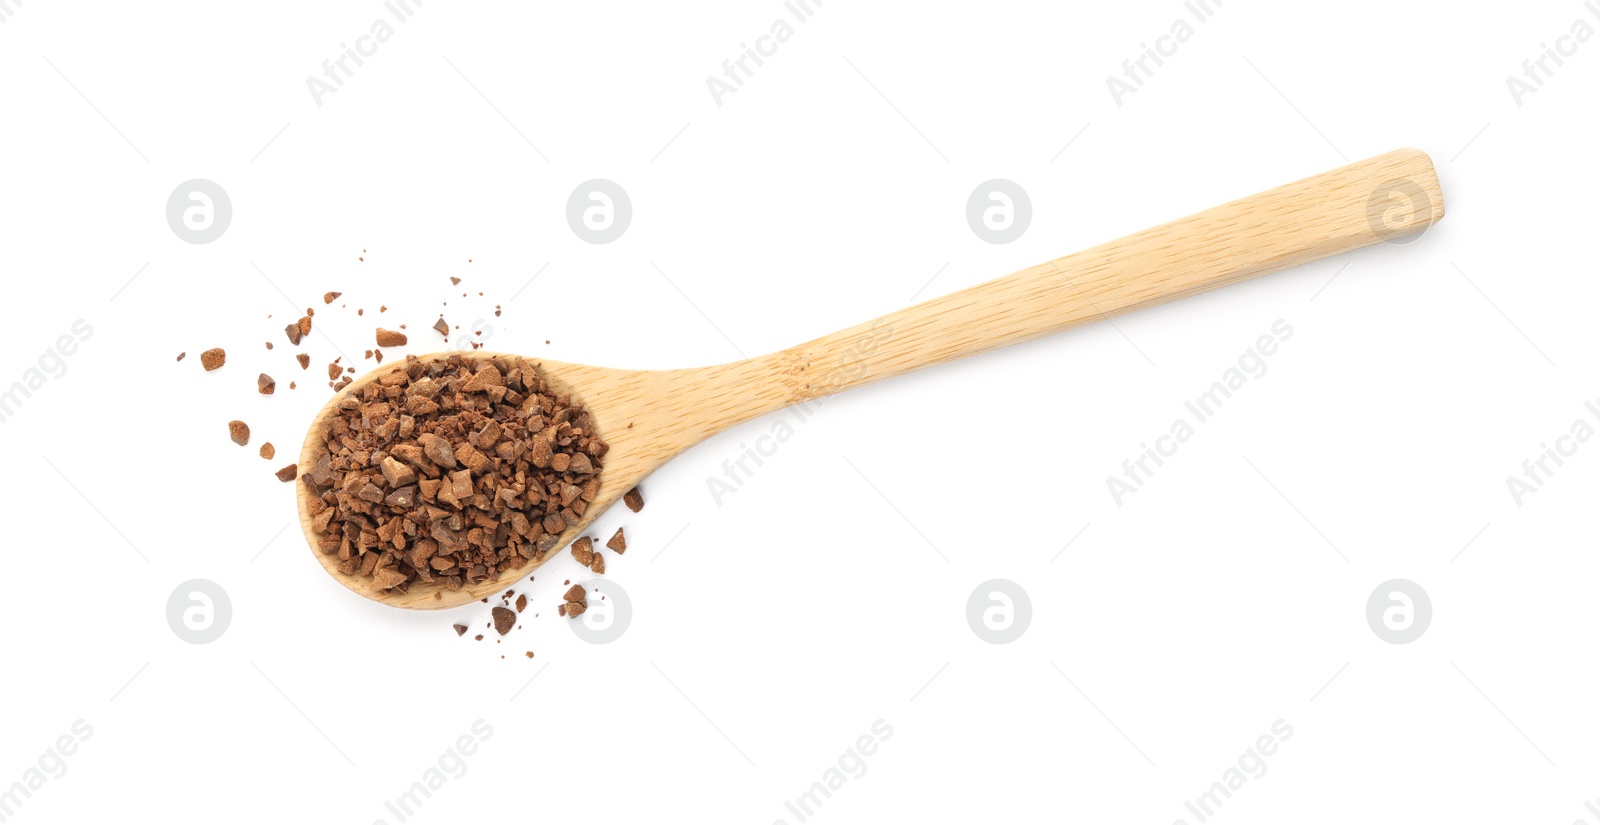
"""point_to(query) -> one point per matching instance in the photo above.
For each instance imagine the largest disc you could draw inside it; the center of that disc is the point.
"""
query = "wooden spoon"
(650, 416)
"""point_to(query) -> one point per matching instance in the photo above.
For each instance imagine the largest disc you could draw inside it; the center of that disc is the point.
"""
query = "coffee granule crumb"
(288, 473)
(454, 280)
(461, 629)
(634, 499)
(304, 324)
(304, 359)
(213, 358)
(575, 594)
(239, 432)
(618, 542)
(478, 506)
(265, 385)
(269, 345)
(522, 602)
(478, 637)
(291, 385)
(583, 550)
(328, 297)
(334, 371)
(442, 326)
(598, 566)
(530, 654)
(389, 338)
(504, 619)
(268, 451)
(292, 331)
(181, 355)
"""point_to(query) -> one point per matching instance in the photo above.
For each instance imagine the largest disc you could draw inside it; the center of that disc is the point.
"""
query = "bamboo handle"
(1377, 199)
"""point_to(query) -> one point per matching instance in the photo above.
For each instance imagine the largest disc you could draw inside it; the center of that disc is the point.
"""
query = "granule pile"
(451, 470)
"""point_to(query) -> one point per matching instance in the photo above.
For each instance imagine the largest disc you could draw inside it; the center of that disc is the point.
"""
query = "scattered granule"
(454, 280)
(291, 385)
(239, 432)
(377, 355)
(265, 385)
(478, 637)
(383, 309)
(334, 371)
(269, 345)
(474, 504)
(497, 310)
(288, 473)
(368, 355)
(181, 355)
(598, 566)
(634, 499)
(575, 602)
(329, 297)
(268, 451)
(310, 311)
(442, 326)
(522, 603)
(618, 542)
(213, 358)
(583, 550)
(389, 338)
(304, 323)
(461, 629)
(575, 594)
(530, 654)
(361, 312)
(504, 619)
(304, 359)
(292, 331)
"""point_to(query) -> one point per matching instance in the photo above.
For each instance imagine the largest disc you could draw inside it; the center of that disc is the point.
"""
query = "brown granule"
(618, 542)
(239, 432)
(288, 473)
(213, 358)
(530, 654)
(461, 629)
(465, 427)
(265, 385)
(583, 550)
(304, 359)
(291, 385)
(268, 451)
(522, 602)
(305, 323)
(334, 371)
(328, 297)
(454, 280)
(442, 326)
(478, 637)
(269, 345)
(504, 619)
(181, 355)
(575, 602)
(292, 331)
(390, 338)
(598, 565)
(634, 499)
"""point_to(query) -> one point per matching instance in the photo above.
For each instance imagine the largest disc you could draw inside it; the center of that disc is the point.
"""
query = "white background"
(777, 627)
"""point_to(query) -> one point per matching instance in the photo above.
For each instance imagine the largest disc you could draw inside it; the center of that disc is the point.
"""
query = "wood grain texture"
(650, 416)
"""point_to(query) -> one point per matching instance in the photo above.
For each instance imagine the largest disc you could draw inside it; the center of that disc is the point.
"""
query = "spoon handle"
(1381, 198)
